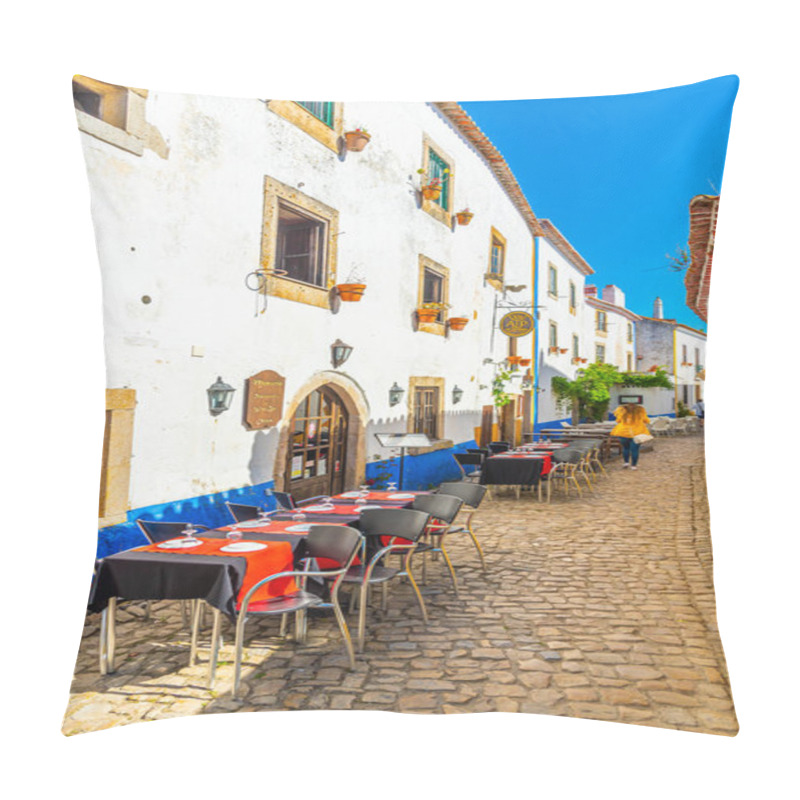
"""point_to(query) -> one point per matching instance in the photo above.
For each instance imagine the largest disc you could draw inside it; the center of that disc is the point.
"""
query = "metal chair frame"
(469, 460)
(241, 512)
(443, 509)
(472, 497)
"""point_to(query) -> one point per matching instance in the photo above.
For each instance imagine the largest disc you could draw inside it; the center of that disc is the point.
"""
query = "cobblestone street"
(596, 607)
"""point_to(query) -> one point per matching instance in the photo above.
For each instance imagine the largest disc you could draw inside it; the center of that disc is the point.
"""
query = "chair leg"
(195, 629)
(237, 664)
(284, 621)
(362, 616)
(348, 643)
(449, 565)
(212, 663)
(420, 601)
(477, 543)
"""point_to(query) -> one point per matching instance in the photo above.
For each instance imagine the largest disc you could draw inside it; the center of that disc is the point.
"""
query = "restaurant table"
(150, 573)
(514, 470)
(394, 499)
(341, 513)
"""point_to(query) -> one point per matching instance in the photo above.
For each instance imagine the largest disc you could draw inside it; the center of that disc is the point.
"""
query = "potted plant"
(458, 323)
(464, 217)
(563, 350)
(524, 362)
(428, 312)
(352, 289)
(514, 360)
(577, 360)
(356, 140)
(431, 187)
(552, 349)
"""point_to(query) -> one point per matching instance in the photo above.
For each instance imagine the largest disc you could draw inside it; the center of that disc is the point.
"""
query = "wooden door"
(317, 449)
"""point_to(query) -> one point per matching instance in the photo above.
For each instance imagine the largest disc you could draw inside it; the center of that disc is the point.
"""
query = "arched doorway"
(316, 455)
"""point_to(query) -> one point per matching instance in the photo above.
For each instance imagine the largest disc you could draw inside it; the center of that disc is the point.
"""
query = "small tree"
(589, 394)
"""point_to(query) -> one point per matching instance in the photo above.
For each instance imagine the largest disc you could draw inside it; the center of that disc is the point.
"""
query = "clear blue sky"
(615, 175)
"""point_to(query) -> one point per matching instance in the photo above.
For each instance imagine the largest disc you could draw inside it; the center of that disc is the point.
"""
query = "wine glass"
(263, 516)
(327, 503)
(298, 516)
(189, 531)
(391, 486)
(233, 535)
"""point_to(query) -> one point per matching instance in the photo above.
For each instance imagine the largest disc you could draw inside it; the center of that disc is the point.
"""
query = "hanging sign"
(264, 404)
(516, 324)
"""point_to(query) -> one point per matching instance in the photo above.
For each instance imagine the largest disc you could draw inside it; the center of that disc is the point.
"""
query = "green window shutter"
(322, 111)
(436, 169)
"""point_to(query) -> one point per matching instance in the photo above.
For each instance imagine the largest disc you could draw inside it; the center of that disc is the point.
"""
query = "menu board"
(403, 439)
(264, 404)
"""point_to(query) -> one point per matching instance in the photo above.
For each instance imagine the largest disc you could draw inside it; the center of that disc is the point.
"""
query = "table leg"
(195, 626)
(108, 636)
(212, 664)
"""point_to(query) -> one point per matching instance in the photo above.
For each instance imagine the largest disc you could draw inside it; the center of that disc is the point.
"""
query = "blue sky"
(615, 175)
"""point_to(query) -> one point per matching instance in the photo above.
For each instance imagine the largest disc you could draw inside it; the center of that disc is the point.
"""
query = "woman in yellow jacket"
(632, 420)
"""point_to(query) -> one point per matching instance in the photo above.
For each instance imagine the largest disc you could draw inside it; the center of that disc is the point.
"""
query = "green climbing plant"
(499, 394)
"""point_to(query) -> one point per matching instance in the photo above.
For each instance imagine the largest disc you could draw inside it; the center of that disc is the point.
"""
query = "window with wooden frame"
(426, 407)
(298, 245)
(601, 322)
(437, 168)
(600, 353)
(630, 331)
(553, 332)
(630, 362)
(433, 288)
(573, 298)
(697, 364)
(552, 281)
(684, 354)
(322, 121)
(576, 346)
(116, 115)
(497, 259)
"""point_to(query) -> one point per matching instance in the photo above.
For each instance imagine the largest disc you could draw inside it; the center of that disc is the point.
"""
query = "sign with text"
(516, 324)
(264, 405)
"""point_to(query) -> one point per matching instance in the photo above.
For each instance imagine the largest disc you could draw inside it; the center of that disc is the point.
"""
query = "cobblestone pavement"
(600, 607)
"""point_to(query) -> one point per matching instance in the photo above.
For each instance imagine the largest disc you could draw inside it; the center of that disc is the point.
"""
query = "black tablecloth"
(138, 575)
(499, 471)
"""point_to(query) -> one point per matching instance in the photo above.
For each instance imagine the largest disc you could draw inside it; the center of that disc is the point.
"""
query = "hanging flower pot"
(524, 362)
(458, 323)
(356, 140)
(432, 191)
(464, 217)
(563, 350)
(553, 350)
(514, 360)
(350, 292)
(584, 360)
(427, 314)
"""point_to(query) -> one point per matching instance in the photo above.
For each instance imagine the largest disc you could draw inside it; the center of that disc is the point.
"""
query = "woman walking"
(632, 421)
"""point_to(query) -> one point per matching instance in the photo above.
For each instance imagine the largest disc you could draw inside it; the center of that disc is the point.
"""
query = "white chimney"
(614, 295)
(658, 309)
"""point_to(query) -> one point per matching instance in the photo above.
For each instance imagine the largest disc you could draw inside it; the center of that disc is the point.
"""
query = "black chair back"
(338, 543)
(483, 451)
(157, 532)
(284, 500)
(405, 523)
(442, 506)
(567, 455)
(471, 494)
(468, 459)
(499, 447)
(241, 512)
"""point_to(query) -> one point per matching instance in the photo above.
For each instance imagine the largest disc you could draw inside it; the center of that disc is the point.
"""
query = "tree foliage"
(589, 393)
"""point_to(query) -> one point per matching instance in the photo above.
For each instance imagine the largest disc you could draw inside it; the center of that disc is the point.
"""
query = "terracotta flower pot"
(350, 292)
(524, 362)
(427, 314)
(563, 350)
(514, 359)
(356, 141)
(431, 192)
(464, 217)
(458, 323)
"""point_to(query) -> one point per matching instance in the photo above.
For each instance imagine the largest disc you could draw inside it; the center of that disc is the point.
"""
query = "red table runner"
(376, 496)
(275, 557)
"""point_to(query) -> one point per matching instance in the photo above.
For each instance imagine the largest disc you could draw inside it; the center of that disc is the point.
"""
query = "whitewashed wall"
(185, 231)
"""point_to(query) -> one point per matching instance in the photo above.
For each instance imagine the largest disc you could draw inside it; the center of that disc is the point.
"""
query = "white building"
(563, 344)
(610, 328)
(224, 226)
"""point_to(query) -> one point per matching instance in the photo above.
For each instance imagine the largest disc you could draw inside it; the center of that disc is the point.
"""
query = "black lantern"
(219, 397)
(457, 394)
(340, 352)
(395, 394)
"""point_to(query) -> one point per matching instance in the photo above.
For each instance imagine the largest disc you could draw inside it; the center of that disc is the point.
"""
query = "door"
(317, 449)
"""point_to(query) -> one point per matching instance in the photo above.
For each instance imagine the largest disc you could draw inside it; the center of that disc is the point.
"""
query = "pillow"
(334, 301)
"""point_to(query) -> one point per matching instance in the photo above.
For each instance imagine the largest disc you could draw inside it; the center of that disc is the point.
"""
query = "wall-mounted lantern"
(457, 395)
(395, 394)
(340, 352)
(220, 395)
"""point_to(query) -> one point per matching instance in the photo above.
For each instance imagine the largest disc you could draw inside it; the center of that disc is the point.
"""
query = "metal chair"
(286, 502)
(157, 531)
(469, 460)
(243, 513)
(444, 509)
(660, 426)
(472, 496)
(336, 543)
(498, 447)
(403, 527)
(565, 465)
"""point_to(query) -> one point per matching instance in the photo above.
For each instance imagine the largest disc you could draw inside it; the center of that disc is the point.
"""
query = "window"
(437, 166)
(697, 365)
(553, 336)
(685, 354)
(497, 259)
(298, 245)
(600, 353)
(115, 115)
(630, 331)
(602, 322)
(322, 111)
(573, 298)
(630, 362)
(426, 411)
(552, 281)
(685, 388)
(576, 346)
(434, 280)
(322, 121)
